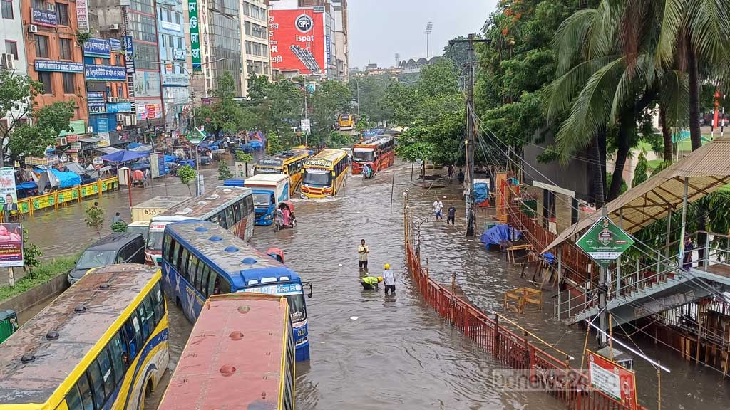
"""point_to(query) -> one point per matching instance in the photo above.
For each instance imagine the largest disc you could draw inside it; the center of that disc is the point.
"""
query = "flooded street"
(369, 351)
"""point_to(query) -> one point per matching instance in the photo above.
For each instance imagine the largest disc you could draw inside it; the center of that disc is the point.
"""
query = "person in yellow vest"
(371, 282)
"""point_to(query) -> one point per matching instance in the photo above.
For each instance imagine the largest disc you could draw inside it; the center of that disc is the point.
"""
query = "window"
(68, 82)
(146, 316)
(65, 48)
(167, 247)
(106, 367)
(39, 4)
(175, 255)
(42, 46)
(96, 384)
(211, 279)
(11, 47)
(202, 271)
(192, 272)
(184, 262)
(115, 346)
(7, 9)
(74, 401)
(45, 79)
(230, 216)
(83, 385)
(62, 13)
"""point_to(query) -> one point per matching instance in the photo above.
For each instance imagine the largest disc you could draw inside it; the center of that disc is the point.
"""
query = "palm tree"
(696, 32)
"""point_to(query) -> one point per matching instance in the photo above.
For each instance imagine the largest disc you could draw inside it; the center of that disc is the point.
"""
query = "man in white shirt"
(437, 206)
(389, 281)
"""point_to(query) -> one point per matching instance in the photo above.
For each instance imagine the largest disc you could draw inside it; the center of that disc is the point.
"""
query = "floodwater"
(369, 351)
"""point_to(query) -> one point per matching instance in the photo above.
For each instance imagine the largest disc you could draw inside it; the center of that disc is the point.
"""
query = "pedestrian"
(450, 172)
(451, 214)
(389, 281)
(437, 207)
(363, 251)
(688, 254)
(461, 176)
(371, 282)
(117, 218)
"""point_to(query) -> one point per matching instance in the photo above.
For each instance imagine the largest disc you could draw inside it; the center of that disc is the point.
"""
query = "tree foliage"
(94, 218)
(224, 113)
(640, 170)
(18, 104)
(186, 175)
(31, 253)
(329, 100)
(224, 172)
(369, 91)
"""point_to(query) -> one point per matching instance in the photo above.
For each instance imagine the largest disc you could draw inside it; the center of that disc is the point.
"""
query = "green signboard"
(604, 241)
(196, 136)
(194, 35)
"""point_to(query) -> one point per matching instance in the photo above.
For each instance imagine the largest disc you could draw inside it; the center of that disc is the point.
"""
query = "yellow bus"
(287, 162)
(239, 356)
(102, 344)
(325, 173)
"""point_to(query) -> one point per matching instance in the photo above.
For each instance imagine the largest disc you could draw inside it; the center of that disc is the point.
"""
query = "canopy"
(499, 233)
(123, 156)
(704, 170)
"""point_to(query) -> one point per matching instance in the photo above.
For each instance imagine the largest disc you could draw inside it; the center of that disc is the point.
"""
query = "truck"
(269, 190)
(143, 212)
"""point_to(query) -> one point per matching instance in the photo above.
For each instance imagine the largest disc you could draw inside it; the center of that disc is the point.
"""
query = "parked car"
(118, 247)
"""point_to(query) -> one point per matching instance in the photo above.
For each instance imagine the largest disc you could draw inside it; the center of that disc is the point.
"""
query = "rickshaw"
(279, 221)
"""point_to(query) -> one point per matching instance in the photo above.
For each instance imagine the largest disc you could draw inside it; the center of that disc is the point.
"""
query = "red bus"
(377, 153)
(239, 356)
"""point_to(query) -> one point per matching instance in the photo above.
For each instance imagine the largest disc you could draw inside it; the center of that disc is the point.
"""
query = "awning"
(707, 169)
(92, 140)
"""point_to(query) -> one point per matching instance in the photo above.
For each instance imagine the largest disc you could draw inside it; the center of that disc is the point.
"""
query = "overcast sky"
(377, 29)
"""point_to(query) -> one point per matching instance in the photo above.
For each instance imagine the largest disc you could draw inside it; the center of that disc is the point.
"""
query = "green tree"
(369, 91)
(329, 100)
(225, 114)
(640, 170)
(243, 157)
(187, 175)
(278, 105)
(224, 172)
(119, 226)
(94, 218)
(31, 253)
(18, 104)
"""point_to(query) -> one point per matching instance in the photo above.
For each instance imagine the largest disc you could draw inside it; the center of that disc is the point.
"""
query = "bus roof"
(231, 256)
(201, 206)
(233, 357)
(277, 160)
(326, 157)
(48, 348)
(162, 201)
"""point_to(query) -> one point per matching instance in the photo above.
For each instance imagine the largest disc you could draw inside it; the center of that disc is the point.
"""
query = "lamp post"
(428, 30)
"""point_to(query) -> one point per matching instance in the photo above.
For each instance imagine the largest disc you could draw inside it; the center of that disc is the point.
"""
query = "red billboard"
(297, 40)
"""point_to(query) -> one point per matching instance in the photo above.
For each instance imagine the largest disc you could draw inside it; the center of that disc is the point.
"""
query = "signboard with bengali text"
(194, 35)
(612, 379)
(83, 24)
(11, 245)
(604, 241)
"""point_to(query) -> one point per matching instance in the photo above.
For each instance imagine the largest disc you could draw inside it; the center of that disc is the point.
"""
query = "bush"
(40, 275)
(119, 226)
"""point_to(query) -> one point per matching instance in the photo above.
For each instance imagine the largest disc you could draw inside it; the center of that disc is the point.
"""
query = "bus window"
(106, 367)
(229, 216)
(158, 302)
(74, 401)
(176, 254)
(84, 389)
(116, 353)
(211, 279)
(238, 209)
(96, 384)
(192, 277)
(202, 278)
(166, 248)
(222, 221)
(183, 261)
(146, 312)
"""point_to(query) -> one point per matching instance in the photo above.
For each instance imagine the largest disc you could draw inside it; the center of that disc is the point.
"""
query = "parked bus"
(377, 153)
(287, 162)
(346, 122)
(230, 207)
(325, 173)
(102, 344)
(248, 350)
(201, 259)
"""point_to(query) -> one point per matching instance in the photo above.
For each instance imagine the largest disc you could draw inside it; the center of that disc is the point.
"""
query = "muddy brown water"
(396, 353)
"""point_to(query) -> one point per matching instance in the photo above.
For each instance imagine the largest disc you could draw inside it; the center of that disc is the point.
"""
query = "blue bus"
(200, 259)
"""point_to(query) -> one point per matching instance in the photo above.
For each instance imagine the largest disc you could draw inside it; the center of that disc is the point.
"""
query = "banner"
(104, 72)
(298, 39)
(11, 245)
(97, 48)
(147, 84)
(115, 45)
(194, 35)
(95, 102)
(58, 66)
(7, 188)
(612, 379)
(82, 16)
(44, 17)
(130, 66)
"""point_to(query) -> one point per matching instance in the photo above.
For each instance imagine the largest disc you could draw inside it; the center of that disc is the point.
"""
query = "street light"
(428, 30)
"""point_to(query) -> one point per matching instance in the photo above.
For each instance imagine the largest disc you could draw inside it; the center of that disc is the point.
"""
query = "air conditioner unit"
(32, 28)
(62, 142)
(114, 26)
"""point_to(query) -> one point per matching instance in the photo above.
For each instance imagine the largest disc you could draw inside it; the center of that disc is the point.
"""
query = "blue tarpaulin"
(66, 179)
(28, 185)
(123, 156)
(499, 233)
(480, 192)
(133, 145)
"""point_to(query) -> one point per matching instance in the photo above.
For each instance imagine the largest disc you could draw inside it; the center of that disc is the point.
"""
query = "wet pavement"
(396, 353)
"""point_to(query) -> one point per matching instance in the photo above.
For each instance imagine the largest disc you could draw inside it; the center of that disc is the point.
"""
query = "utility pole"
(470, 140)
(428, 31)
(603, 287)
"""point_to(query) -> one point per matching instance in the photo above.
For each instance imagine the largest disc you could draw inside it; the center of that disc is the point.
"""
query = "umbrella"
(123, 156)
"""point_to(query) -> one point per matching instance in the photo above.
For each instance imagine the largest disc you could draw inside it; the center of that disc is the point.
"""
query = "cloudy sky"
(377, 29)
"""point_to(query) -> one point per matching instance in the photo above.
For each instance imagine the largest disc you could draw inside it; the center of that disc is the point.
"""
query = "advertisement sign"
(604, 241)
(95, 102)
(44, 17)
(176, 80)
(194, 35)
(115, 45)
(328, 56)
(102, 125)
(297, 40)
(612, 379)
(130, 66)
(83, 20)
(119, 107)
(97, 48)
(104, 72)
(11, 245)
(7, 188)
(58, 66)
(147, 84)
(148, 109)
(170, 26)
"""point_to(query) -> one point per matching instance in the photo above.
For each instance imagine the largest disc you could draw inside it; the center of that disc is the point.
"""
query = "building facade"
(108, 104)
(54, 59)
(256, 58)
(12, 48)
(173, 61)
(340, 37)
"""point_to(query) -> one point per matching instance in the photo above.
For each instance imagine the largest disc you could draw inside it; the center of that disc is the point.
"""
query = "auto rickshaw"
(8, 324)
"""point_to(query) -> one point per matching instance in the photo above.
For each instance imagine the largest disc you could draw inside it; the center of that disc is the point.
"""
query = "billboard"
(297, 40)
(11, 245)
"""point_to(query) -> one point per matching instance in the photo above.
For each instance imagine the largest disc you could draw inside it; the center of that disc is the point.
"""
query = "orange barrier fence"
(537, 368)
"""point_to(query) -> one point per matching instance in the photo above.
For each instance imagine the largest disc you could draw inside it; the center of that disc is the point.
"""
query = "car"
(118, 247)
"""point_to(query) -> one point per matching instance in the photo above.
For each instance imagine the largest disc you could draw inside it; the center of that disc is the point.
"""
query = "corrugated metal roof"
(706, 169)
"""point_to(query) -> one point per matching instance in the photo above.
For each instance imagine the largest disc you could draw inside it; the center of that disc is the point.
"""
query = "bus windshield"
(297, 307)
(363, 156)
(94, 259)
(261, 199)
(317, 178)
(155, 239)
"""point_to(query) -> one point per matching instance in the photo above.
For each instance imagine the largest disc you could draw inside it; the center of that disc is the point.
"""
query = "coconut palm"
(696, 32)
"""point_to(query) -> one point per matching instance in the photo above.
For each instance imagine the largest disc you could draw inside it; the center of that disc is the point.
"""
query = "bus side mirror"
(309, 294)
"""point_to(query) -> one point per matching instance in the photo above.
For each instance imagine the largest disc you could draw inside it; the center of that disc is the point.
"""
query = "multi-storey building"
(173, 60)
(134, 22)
(340, 38)
(107, 89)
(255, 54)
(54, 58)
(12, 48)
